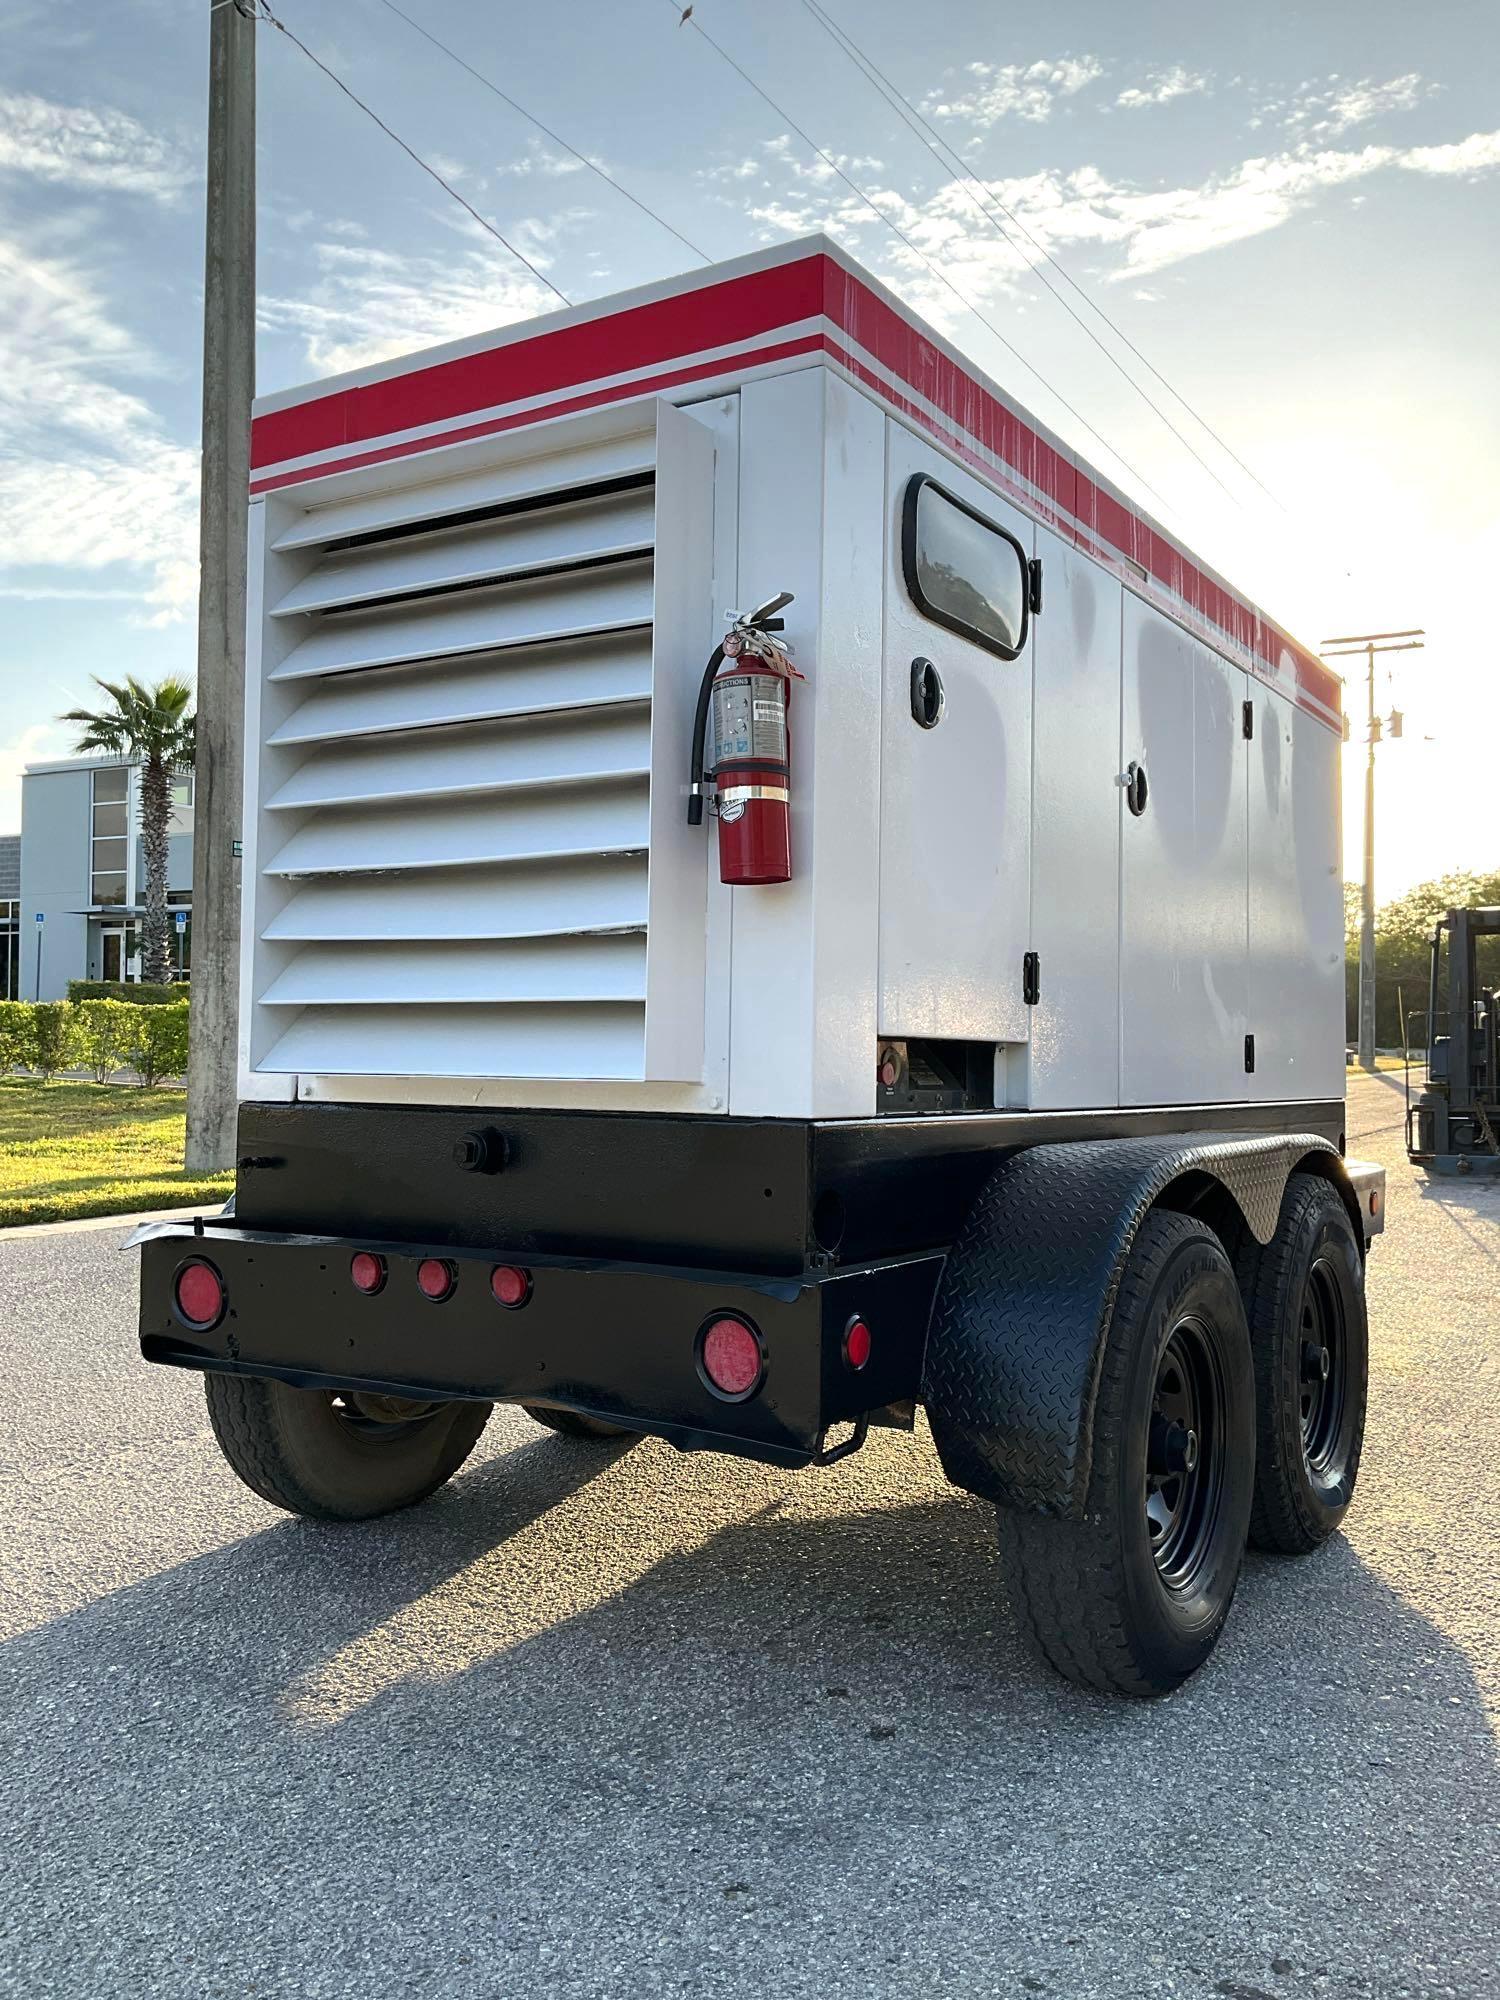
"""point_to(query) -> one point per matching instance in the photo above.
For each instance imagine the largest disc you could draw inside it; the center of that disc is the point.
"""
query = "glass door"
(112, 953)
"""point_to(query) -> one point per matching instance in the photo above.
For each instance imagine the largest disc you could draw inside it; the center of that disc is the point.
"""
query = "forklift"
(1454, 1125)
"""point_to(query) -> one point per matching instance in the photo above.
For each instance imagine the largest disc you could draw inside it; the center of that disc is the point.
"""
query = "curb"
(129, 1221)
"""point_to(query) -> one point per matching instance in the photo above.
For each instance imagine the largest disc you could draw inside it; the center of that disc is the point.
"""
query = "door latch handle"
(1133, 781)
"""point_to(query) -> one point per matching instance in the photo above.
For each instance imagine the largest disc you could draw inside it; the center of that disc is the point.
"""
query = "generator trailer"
(776, 898)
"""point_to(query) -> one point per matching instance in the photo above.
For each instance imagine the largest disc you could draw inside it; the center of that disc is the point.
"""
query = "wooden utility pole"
(1371, 643)
(228, 388)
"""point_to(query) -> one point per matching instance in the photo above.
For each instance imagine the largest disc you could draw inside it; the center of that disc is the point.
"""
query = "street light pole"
(228, 389)
(1370, 643)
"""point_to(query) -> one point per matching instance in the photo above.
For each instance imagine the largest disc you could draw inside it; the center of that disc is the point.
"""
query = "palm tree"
(153, 727)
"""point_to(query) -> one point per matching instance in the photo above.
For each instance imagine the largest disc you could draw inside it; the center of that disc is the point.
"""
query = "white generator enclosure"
(1064, 807)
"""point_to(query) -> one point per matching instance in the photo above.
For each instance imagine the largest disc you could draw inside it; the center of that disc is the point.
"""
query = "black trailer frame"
(637, 1231)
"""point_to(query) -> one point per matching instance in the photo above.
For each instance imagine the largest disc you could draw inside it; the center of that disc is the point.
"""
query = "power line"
(967, 183)
(689, 19)
(949, 159)
(447, 187)
(556, 137)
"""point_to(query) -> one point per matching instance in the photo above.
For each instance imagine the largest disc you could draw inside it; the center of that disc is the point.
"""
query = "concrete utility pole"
(228, 388)
(1371, 643)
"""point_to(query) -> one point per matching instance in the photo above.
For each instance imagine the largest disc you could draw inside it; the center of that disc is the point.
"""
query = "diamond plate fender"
(1017, 1335)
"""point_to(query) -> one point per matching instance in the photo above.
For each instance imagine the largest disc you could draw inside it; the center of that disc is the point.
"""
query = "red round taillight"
(857, 1343)
(731, 1359)
(199, 1292)
(436, 1278)
(366, 1271)
(510, 1284)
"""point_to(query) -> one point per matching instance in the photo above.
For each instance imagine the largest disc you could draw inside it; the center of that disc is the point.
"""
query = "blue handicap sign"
(181, 920)
(39, 915)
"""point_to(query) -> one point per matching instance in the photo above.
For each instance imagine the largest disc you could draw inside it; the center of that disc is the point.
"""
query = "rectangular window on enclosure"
(110, 785)
(962, 571)
(182, 788)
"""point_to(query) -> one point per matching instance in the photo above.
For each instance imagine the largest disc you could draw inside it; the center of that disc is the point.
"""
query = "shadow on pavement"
(496, 1745)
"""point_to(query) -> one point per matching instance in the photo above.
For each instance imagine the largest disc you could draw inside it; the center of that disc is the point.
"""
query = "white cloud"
(367, 305)
(86, 146)
(1329, 109)
(1162, 87)
(88, 479)
(540, 159)
(1130, 229)
(1015, 90)
(1474, 155)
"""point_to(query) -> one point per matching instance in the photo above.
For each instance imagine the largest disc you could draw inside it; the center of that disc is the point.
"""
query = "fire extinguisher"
(745, 693)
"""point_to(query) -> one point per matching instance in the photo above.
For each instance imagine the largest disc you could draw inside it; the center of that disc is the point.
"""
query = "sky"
(1292, 212)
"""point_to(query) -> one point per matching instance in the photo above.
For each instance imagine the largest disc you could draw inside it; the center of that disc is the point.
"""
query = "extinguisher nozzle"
(695, 810)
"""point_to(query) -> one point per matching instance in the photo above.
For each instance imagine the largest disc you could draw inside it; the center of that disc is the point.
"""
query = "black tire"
(1305, 1299)
(338, 1458)
(1130, 1600)
(570, 1424)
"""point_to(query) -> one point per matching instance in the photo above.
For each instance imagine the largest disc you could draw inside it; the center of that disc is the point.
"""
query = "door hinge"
(1031, 979)
(1249, 1055)
(1034, 585)
(1247, 720)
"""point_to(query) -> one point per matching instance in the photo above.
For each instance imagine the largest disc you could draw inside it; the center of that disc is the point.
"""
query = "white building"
(75, 909)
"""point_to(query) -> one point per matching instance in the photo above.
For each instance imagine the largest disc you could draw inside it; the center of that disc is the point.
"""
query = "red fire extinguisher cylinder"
(752, 773)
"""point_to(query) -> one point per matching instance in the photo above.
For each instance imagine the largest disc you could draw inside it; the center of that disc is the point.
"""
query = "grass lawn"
(71, 1149)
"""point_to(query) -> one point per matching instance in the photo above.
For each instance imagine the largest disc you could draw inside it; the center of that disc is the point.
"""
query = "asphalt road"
(618, 1723)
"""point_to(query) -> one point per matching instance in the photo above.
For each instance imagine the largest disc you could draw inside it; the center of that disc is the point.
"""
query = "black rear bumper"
(605, 1338)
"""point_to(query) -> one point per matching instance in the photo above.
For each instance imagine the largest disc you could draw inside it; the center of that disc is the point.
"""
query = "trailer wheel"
(338, 1456)
(1131, 1599)
(570, 1424)
(1305, 1298)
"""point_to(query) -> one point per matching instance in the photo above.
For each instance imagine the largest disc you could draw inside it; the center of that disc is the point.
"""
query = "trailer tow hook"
(833, 1453)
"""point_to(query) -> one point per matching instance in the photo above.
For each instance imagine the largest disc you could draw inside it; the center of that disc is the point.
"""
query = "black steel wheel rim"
(1185, 1453)
(1323, 1367)
(380, 1419)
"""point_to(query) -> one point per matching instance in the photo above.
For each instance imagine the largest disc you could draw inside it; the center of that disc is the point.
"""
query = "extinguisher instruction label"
(749, 717)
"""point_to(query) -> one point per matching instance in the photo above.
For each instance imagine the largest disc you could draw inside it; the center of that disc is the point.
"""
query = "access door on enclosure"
(1183, 870)
(955, 754)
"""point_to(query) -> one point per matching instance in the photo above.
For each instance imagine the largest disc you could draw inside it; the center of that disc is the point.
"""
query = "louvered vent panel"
(455, 783)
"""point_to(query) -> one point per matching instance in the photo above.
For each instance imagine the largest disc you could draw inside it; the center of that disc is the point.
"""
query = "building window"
(963, 571)
(10, 949)
(182, 789)
(110, 838)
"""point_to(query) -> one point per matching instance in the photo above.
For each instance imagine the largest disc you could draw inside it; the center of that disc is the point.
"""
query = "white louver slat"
(607, 599)
(553, 538)
(455, 859)
(530, 680)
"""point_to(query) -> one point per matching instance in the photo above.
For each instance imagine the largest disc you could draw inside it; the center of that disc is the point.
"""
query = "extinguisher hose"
(700, 736)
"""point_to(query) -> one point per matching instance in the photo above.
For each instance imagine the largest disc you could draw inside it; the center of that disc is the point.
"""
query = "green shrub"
(15, 1035)
(136, 992)
(157, 1043)
(54, 1038)
(106, 1030)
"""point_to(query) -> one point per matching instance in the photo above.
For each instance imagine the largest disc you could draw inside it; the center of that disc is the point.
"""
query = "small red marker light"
(199, 1292)
(857, 1343)
(510, 1284)
(436, 1278)
(366, 1271)
(731, 1358)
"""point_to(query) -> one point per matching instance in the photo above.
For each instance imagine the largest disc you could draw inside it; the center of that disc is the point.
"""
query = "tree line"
(1403, 950)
